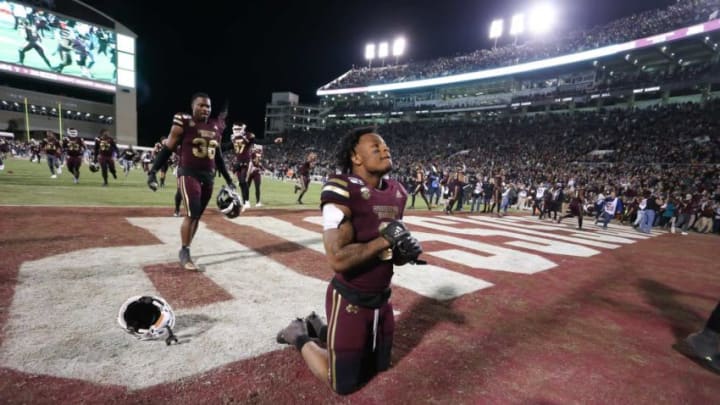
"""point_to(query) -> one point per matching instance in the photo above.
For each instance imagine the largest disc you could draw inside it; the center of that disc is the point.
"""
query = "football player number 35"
(202, 148)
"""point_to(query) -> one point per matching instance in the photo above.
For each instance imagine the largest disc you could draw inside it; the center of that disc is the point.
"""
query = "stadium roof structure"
(647, 51)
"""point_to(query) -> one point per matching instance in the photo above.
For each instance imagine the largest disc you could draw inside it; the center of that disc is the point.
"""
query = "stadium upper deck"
(681, 20)
(678, 59)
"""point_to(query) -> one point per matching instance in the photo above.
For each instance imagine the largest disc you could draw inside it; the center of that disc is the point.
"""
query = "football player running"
(105, 149)
(304, 175)
(243, 142)
(200, 155)
(74, 148)
(52, 148)
(364, 238)
(127, 158)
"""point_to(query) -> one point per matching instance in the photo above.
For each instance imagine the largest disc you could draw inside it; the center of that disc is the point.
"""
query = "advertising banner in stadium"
(35, 42)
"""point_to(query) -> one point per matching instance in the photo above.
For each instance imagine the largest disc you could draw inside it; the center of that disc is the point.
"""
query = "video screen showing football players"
(39, 39)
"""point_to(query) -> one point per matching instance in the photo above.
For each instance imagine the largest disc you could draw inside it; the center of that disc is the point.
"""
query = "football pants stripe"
(332, 327)
(183, 193)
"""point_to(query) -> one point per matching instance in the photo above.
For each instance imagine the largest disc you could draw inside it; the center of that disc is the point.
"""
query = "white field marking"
(588, 225)
(538, 243)
(599, 240)
(494, 258)
(427, 280)
(63, 316)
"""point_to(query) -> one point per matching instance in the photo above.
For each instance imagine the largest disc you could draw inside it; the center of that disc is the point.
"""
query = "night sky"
(244, 51)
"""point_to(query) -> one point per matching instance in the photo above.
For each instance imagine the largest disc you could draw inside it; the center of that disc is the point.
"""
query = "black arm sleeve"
(220, 163)
(162, 157)
(96, 151)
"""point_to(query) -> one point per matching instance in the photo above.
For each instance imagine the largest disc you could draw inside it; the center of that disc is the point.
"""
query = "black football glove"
(407, 251)
(394, 232)
(152, 181)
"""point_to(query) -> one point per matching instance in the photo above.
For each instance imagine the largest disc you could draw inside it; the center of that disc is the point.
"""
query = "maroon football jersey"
(304, 169)
(199, 143)
(105, 146)
(73, 146)
(257, 160)
(51, 146)
(371, 210)
(242, 146)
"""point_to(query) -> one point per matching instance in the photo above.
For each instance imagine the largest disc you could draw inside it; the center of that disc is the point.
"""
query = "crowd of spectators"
(647, 23)
(672, 150)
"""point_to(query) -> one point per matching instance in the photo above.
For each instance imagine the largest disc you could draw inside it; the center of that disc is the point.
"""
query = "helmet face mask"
(148, 318)
(238, 130)
(229, 202)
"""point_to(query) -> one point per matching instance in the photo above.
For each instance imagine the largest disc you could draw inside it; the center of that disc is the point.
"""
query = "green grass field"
(26, 183)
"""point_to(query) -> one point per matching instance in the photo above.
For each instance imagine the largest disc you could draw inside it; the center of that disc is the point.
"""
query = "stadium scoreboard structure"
(47, 46)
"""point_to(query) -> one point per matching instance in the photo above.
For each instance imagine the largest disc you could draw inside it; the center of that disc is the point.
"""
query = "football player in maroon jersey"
(304, 175)
(52, 148)
(242, 142)
(105, 149)
(200, 155)
(420, 187)
(364, 238)
(74, 147)
(256, 169)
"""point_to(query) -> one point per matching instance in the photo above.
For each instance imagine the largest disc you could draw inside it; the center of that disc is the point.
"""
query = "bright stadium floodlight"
(542, 19)
(517, 25)
(398, 48)
(496, 29)
(370, 53)
(383, 50)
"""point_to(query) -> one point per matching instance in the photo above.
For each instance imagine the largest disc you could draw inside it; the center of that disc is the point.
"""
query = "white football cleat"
(59, 170)
(53, 177)
(258, 205)
(247, 204)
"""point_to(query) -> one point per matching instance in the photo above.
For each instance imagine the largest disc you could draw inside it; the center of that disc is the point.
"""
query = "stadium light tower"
(517, 26)
(496, 29)
(542, 19)
(370, 53)
(383, 51)
(398, 48)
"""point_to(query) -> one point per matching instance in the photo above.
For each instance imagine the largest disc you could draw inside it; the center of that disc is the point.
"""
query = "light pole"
(383, 51)
(517, 26)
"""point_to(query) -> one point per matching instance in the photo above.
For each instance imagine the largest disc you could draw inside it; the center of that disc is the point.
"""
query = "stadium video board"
(38, 43)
